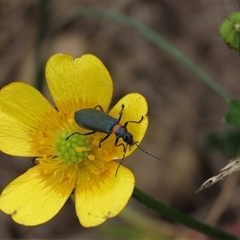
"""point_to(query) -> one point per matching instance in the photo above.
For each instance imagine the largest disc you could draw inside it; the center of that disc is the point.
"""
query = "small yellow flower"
(32, 127)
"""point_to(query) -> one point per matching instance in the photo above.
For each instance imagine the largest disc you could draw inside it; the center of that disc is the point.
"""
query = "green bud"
(230, 31)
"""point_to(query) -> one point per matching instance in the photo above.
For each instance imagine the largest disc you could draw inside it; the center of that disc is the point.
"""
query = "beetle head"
(128, 138)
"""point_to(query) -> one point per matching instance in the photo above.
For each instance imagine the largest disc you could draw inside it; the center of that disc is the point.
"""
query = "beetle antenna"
(146, 152)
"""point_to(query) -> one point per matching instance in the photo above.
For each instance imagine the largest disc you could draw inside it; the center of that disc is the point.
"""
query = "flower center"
(74, 149)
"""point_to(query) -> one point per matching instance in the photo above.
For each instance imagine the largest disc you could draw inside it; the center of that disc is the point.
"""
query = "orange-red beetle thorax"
(116, 128)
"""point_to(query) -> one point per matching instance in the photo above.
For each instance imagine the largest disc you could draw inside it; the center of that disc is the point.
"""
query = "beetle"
(99, 121)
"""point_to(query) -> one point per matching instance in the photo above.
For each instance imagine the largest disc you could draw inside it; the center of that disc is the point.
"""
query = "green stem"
(150, 35)
(179, 217)
(42, 30)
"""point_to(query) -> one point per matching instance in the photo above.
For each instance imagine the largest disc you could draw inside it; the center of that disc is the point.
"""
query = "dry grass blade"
(232, 166)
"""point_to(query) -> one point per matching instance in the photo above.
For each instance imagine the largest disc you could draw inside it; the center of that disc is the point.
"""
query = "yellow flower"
(32, 127)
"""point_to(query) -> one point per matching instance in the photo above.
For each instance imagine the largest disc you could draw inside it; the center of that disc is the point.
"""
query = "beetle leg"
(102, 140)
(34, 161)
(100, 107)
(124, 153)
(89, 133)
(121, 113)
(120, 144)
(126, 123)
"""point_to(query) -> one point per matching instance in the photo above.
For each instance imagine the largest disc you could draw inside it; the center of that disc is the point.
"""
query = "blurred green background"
(186, 129)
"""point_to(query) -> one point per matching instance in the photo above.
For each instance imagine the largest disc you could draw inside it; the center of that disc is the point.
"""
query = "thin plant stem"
(148, 34)
(44, 6)
(179, 217)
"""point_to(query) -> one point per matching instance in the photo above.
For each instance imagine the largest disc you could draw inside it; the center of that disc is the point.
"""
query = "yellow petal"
(23, 110)
(104, 196)
(78, 83)
(135, 107)
(33, 198)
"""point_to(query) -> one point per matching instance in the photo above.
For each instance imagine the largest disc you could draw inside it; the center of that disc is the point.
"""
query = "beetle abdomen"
(95, 120)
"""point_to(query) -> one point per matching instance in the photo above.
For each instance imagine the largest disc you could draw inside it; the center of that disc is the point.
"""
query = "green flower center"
(74, 149)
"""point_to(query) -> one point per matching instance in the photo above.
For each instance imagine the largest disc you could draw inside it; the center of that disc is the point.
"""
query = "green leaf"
(232, 117)
(224, 142)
